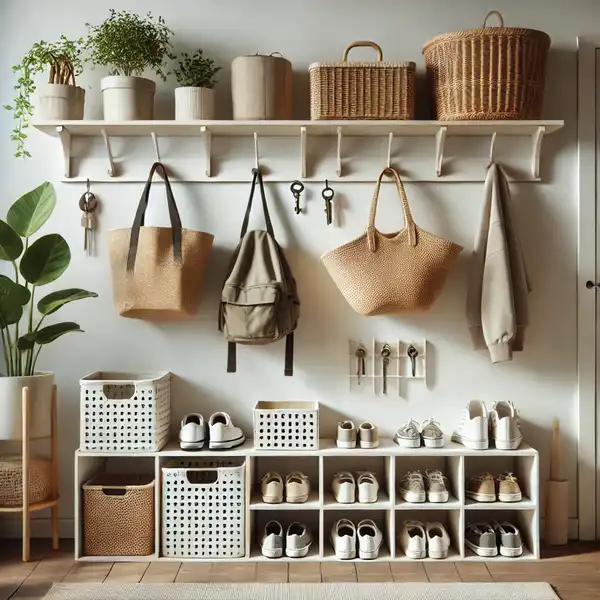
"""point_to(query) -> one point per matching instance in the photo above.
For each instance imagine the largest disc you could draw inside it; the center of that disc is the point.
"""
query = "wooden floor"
(574, 571)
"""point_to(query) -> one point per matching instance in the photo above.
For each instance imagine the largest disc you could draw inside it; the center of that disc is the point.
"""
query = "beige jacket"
(498, 284)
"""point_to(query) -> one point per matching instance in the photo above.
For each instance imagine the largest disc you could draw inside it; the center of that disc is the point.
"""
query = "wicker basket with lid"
(362, 90)
(488, 73)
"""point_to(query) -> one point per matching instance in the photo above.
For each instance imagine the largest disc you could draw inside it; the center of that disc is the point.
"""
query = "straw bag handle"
(408, 218)
(495, 13)
(138, 221)
(363, 43)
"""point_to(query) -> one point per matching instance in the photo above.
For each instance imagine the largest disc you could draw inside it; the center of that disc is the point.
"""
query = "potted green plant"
(36, 263)
(129, 44)
(58, 99)
(194, 99)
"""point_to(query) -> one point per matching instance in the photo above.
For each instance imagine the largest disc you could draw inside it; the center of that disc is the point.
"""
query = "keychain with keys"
(360, 363)
(328, 195)
(297, 188)
(88, 204)
(386, 351)
(412, 353)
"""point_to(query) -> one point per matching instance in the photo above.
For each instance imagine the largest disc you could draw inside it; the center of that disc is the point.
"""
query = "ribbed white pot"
(194, 104)
(57, 101)
(11, 405)
(127, 98)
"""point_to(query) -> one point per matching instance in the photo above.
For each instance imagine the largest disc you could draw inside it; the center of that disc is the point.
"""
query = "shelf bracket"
(339, 152)
(440, 139)
(65, 141)
(492, 148)
(389, 157)
(207, 135)
(538, 136)
(256, 157)
(302, 152)
(111, 164)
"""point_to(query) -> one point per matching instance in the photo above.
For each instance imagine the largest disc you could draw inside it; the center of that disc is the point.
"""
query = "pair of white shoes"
(477, 426)
(298, 540)
(345, 486)
(223, 434)
(419, 540)
(297, 488)
(347, 537)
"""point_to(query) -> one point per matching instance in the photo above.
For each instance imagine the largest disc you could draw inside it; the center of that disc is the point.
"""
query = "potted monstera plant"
(25, 332)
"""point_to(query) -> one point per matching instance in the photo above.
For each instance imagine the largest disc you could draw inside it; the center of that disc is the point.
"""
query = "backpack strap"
(257, 177)
(231, 358)
(289, 354)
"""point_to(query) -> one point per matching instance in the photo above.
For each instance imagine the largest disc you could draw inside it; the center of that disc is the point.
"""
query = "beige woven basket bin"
(118, 515)
(11, 480)
(489, 73)
(362, 90)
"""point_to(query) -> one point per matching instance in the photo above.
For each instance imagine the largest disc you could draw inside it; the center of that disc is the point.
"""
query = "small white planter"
(57, 101)
(11, 405)
(127, 98)
(194, 104)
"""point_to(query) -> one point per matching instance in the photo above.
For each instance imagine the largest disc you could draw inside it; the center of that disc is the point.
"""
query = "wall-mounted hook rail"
(538, 136)
(155, 140)
(339, 152)
(389, 156)
(256, 155)
(440, 139)
(302, 152)
(492, 148)
(111, 163)
(207, 135)
(65, 141)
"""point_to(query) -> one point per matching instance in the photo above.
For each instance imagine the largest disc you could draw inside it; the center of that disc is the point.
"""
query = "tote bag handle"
(138, 221)
(408, 218)
(257, 177)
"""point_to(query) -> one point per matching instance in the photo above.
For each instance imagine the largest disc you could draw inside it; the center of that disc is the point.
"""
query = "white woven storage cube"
(286, 425)
(125, 412)
(204, 509)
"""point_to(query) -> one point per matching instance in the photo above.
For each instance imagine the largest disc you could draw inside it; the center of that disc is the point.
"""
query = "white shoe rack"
(389, 462)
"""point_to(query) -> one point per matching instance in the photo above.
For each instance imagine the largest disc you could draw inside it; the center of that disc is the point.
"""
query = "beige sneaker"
(412, 487)
(368, 435)
(297, 488)
(482, 488)
(508, 488)
(346, 435)
(437, 486)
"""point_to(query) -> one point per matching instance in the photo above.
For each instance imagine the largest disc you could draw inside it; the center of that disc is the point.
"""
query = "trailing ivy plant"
(64, 61)
(35, 264)
(196, 70)
(128, 44)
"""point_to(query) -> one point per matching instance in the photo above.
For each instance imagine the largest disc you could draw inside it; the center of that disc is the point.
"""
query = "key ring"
(297, 188)
(327, 192)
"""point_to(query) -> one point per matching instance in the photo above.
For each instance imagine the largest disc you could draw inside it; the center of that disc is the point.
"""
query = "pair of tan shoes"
(348, 436)
(483, 487)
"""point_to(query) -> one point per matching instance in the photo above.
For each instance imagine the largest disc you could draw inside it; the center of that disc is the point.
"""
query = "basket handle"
(114, 491)
(495, 13)
(360, 44)
(107, 390)
(202, 476)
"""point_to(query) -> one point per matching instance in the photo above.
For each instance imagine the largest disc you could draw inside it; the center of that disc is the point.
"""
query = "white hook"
(155, 140)
(256, 166)
(492, 146)
(538, 136)
(111, 163)
(338, 171)
(440, 139)
(389, 160)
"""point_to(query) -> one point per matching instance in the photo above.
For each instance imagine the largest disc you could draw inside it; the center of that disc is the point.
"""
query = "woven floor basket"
(362, 90)
(11, 480)
(488, 73)
(118, 515)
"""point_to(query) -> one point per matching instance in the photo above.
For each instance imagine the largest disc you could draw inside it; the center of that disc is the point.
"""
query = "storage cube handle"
(360, 44)
(202, 476)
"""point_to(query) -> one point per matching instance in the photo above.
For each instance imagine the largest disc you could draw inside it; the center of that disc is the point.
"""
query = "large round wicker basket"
(488, 73)
(11, 480)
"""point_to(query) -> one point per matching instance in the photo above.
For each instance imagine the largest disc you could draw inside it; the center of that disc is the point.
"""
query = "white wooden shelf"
(452, 504)
(525, 504)
(383, 503)
(312, 503)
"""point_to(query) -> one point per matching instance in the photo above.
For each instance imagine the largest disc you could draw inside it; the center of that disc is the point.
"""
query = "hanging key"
(386, 351)
(297, 188)
(360, 363)
(412, 354)
(88, 204)
(328, 195)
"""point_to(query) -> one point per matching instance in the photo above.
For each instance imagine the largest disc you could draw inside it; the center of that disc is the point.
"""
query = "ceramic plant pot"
(194, 103)
(127, 98)
(59, 102)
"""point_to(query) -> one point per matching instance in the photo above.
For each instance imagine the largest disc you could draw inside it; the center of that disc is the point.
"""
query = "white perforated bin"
(125, 412)
(203, 509)
(286, 425)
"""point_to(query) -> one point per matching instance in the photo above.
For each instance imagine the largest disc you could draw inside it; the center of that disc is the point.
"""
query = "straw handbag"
(158, 272)
(381, 273)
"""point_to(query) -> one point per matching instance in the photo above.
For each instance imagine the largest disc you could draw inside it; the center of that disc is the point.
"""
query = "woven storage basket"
(362, 90)
(489, 73)
(11, 480)
(118, 515)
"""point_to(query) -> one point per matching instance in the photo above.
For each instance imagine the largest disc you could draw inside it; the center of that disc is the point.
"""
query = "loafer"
(271, 542)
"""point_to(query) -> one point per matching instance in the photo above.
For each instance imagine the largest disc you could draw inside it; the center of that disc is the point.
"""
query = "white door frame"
(586, 299)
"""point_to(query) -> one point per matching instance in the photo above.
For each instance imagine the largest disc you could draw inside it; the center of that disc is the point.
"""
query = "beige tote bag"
(158, 272)
(381, 273)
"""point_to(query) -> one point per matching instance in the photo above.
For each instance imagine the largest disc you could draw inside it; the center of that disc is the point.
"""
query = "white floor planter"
(57, 101)
(40, 390)
(127, 98)
(194, 103)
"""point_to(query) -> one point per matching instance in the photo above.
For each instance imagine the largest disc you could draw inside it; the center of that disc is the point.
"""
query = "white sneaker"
(438, 540)
(370, 539)
(368, 487)
(472, 432)
(504, 426)
(343, 539)
(192, 434)
(271, 543)
(343, 488)
(298, 540)
(413, 540)
(412, 487)
(297, 488)
(432, 434)
(408, 436)
(271, 488)
(223, 433)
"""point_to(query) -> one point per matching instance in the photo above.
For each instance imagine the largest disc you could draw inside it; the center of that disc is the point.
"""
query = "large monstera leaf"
(32, 210)
(46, 259)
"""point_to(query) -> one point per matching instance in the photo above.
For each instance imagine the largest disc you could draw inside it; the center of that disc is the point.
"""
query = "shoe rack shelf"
(389, 462)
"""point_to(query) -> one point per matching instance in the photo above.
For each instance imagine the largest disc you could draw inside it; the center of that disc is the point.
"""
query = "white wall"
(541, 381)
